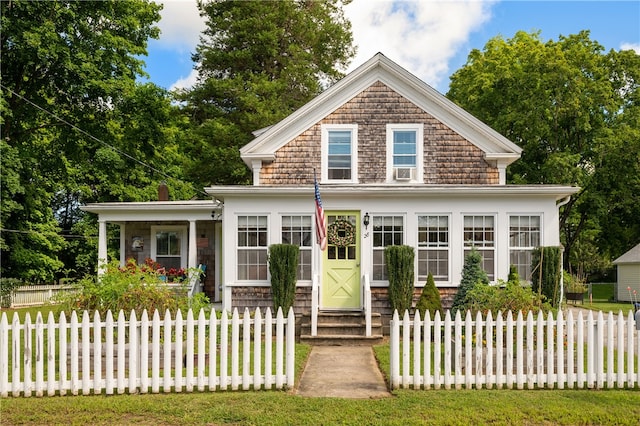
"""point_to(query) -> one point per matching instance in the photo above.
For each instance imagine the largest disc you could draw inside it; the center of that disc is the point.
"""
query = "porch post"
(192, 257)
(102, 246)
(193, 248)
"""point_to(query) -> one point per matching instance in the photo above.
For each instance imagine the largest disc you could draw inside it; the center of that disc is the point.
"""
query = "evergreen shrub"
(283, 267)
(429, 298)
(400, 269)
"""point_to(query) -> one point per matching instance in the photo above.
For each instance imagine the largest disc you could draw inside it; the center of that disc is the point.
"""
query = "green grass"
(605, 307)
(568, 407)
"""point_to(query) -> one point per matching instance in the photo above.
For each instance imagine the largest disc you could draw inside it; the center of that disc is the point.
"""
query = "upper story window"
(339, 153)
(404, 152)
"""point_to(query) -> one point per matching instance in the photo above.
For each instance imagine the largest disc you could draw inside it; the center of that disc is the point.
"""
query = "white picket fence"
(91, 355)
(29, 295)
(501, 352)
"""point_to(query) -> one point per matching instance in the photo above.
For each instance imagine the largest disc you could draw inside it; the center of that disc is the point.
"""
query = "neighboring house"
(628, 276)
(396, 163)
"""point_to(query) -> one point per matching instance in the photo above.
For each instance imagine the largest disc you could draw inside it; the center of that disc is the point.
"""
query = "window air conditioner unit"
(403, 173)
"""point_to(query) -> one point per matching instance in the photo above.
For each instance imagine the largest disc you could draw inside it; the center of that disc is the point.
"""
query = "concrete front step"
(341, 340)
(341, 329)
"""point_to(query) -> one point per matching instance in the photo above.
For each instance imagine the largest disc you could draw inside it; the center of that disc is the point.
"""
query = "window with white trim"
(524, 236)
(169, 246)
(404, 152)
(297, 230)
(433, 247)
(479, 233)
(252, 248)
(339, 152)
(387, 231)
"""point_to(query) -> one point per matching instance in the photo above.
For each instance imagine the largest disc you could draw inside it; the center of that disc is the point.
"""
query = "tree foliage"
(76, 127)
(258, 61)
(545, 273)
(573, 108)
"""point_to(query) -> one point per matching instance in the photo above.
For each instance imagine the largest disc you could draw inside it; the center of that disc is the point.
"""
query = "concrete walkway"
(342, 372)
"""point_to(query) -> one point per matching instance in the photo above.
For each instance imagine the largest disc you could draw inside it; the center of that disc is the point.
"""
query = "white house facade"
(396, 163)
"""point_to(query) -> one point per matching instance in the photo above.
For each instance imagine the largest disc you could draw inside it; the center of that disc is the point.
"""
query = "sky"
(432, 39)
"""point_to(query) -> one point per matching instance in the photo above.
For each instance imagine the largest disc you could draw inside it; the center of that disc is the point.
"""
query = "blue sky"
(432, 39)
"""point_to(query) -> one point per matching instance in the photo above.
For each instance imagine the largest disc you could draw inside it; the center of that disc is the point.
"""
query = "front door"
(341, 280)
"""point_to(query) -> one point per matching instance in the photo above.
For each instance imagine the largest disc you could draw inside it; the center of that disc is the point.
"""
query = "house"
(628, 276)
(396, 163)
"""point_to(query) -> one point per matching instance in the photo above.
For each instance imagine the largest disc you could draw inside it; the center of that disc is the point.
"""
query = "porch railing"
(315, 304)
(367, 304)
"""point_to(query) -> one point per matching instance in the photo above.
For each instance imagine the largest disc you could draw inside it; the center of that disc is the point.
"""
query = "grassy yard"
(405, 407)
(567, 407)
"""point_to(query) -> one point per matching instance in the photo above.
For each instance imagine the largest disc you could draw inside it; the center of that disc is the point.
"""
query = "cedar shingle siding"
(448, 157)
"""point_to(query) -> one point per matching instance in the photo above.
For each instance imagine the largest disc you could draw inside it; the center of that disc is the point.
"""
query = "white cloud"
(180, 24)
(186, 82)
(421, 36)
(631, 46)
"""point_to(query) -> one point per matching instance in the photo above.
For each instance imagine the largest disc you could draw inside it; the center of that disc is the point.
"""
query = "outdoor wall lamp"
(365, 221)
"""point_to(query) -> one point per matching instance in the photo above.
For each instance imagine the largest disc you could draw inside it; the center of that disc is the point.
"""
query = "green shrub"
(283, 267)
(429, 298)
(546, 270)
(472, 274)
(510, 296)
(400, 273)
(134, 287)
(7, 287)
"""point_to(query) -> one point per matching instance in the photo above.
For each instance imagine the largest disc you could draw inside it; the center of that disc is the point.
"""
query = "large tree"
(258, 61)
(76, 127)
(573, 108)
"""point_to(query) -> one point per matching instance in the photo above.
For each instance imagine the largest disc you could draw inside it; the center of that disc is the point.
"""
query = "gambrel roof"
(380, 68)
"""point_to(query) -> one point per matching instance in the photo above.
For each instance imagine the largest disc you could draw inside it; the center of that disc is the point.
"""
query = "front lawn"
(407, 407)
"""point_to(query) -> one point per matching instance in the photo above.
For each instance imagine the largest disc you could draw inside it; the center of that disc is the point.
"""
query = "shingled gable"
(496, 147)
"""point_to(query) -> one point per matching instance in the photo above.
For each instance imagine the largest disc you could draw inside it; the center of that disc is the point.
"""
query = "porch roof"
(375, 190)
(155, 210)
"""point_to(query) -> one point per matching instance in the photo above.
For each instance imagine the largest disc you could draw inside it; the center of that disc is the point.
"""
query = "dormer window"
(404, 152)
(339, 153)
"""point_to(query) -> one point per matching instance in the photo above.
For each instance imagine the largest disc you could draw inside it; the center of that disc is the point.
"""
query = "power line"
(62, 120)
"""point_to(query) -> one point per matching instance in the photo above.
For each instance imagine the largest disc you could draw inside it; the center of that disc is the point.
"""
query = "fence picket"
(549, 352)
(51, 356)
(144, 352)
(246, 349)
(86, 353)
(77, 355)
(120, 369)
(189, 351)
(39, 347)
(500, 353)
(202, 324)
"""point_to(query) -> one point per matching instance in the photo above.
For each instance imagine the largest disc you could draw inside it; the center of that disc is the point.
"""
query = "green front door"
(341, 277)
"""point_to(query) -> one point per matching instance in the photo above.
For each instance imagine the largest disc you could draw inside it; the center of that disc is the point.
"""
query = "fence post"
(291, 348)
(394, 354)
(4, 356)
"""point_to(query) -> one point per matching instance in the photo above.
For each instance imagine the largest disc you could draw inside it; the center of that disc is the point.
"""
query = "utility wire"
(62, 120)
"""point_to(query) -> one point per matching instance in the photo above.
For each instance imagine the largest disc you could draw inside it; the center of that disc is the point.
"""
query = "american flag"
(321, 222)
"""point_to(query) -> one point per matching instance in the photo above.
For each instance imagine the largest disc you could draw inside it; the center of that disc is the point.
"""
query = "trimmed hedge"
(283, 267)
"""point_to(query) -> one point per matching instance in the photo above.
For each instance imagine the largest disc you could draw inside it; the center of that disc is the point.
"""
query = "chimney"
(163, 191)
